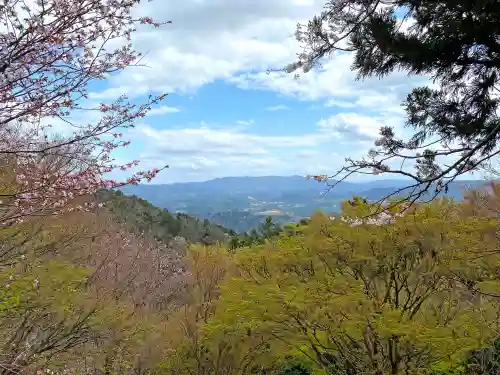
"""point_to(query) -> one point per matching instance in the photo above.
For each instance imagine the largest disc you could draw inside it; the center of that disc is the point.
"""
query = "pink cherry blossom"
(49, 53)
(381, 218)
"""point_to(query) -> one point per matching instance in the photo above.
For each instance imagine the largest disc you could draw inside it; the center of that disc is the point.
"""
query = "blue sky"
(224, 116)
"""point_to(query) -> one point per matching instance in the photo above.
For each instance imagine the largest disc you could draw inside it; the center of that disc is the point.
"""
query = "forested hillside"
(408, 291)
(418, 285)
(141, 217)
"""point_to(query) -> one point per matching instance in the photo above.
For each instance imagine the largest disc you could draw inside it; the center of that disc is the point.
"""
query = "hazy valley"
(242, 203)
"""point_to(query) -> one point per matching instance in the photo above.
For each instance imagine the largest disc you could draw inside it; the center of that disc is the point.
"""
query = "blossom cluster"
(382, 218)
(50, 51)
(137, 267)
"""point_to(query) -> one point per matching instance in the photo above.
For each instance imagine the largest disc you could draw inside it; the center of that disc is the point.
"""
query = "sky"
(225, 116)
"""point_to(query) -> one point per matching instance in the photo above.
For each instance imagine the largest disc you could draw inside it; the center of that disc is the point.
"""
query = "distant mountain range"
(241, 203)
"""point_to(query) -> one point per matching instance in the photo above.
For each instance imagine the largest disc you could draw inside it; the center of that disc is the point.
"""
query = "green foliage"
(47, 310)
(142, 217)
(52, 308)
(266, 231)
(335, 295)
(485, 361)
(293, 367)
(369, 298)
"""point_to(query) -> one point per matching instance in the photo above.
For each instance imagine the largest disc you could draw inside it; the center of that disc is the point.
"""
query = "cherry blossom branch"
(49, 54)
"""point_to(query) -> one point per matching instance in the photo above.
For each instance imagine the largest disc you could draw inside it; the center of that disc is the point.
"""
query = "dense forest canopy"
(413, 290)
(404, 293)
(141, 216)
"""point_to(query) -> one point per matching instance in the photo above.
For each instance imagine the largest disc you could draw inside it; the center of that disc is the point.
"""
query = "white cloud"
(244, 123)
(237, 41)
(307, 153)
(279, 107)
(352, 126)
(339, 103)
(162, 110)
(336, 84)
(204, 152)
(205, 140)
(210, 40)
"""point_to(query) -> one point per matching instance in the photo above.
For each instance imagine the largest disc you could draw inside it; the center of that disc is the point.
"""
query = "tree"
(269, 228)
(359, 296)
(79, 290)
(293, 367)
(50, 51)
(49, 315)
(484, 202)
(455, 125)
(140, 216)
(208, 266)
(485, 361)
(136, 283)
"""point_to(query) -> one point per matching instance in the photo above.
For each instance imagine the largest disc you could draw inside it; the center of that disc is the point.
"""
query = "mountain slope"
(141, 216)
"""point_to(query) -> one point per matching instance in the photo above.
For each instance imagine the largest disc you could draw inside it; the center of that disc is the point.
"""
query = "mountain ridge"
(142, 217)
(241, 203)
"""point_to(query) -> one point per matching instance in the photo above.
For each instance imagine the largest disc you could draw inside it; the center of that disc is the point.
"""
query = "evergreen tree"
(269, 228)
(455, 42)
